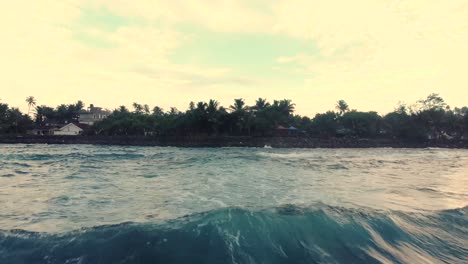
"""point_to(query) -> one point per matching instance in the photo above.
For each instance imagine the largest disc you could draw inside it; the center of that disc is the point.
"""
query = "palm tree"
(239, 113)
(31, 102)
(238, 106)
(260, 104)
(146, 108)
(201, 107)
(14, 116)
(158, 111)
(122, 109)
(342, 106)
(212, 106)
(39, 114)
(138, 108)
(286, 106)
(62, 113)
(173, 111)
(213, 112)
(191, 106)
(79, 106)
(45, 113)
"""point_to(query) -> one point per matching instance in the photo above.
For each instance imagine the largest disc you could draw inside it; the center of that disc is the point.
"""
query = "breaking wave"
(287, 234)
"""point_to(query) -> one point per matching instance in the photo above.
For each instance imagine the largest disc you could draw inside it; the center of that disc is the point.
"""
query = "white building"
(93, 115)
(69, 130)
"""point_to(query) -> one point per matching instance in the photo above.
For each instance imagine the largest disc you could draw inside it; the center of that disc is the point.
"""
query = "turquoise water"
(108, 204)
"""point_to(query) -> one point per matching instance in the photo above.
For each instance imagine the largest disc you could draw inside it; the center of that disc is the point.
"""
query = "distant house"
(92, 115)
(46, 130)
(286, 131)
(70, 130)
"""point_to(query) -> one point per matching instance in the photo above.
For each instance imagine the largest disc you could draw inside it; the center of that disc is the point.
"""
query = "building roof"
(279, 127)
(71, 124)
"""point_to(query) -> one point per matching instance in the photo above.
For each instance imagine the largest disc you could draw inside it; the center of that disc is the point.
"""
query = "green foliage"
(401, 125)
(361, 124)
(31, 101)
(342, 106)
(260, 104)
(433, 102)
(202, 118)
(123, 122)
(158, 111)
(238, 106)
(325, 124)
(62, 114)
(12, 121)
(429, 118)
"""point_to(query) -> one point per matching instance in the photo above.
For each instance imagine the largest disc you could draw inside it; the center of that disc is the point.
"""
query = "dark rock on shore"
(224, 141)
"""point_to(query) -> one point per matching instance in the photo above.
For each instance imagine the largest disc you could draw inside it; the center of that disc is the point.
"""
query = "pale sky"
(371, 53)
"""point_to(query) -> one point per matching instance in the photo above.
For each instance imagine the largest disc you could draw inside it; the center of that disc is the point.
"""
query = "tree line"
(13, 121)
(427, 118)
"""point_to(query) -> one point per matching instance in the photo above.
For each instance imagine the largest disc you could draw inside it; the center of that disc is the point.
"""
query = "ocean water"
(110, 204)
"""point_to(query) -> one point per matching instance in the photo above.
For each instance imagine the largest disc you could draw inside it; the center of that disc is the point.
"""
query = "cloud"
(54, 53)
(335, 23)
(379, 49)
(116, 51)
(220, 15)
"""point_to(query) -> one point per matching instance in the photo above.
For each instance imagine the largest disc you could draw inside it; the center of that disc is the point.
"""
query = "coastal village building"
(46, 130)
(92, 115)
(70, 130)
(286, 131)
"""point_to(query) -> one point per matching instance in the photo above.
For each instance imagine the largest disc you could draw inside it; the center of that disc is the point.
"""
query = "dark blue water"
(87, 204)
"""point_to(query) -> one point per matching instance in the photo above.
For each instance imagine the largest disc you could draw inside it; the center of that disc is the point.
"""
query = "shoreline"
(235, 141)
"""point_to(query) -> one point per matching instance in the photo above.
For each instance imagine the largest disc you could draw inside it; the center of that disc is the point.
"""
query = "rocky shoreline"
(223, 141)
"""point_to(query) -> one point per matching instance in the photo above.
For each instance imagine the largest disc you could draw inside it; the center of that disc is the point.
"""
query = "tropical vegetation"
(429, 118)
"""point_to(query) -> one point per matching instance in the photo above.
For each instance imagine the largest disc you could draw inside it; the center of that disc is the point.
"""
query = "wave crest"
(287, 234)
